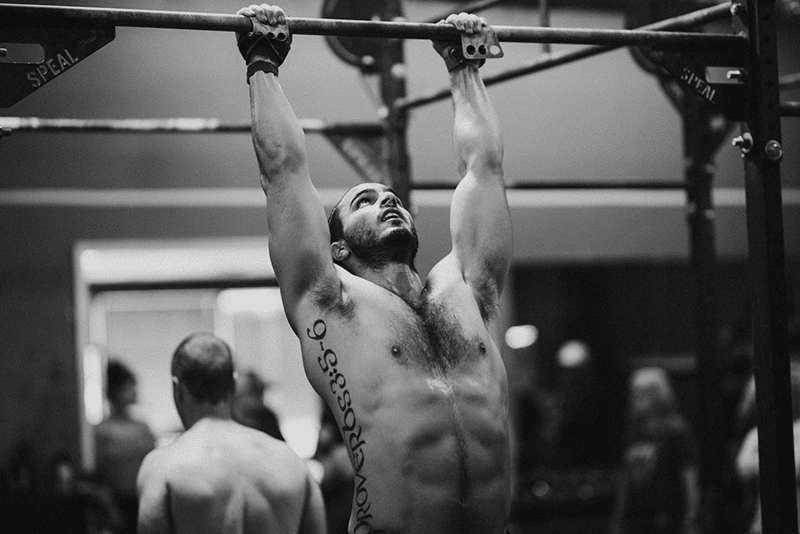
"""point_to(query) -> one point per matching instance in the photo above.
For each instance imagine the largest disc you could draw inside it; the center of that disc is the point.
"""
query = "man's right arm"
(299, 240)
(153, 498)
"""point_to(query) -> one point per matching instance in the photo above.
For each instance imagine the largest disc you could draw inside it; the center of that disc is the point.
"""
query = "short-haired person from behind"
(221, 476)
(408, 365)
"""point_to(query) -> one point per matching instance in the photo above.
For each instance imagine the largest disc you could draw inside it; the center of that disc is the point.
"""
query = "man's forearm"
(278, 137)
(477, 139)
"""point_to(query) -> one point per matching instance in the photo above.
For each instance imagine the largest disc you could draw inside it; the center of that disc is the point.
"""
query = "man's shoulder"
(243, 441)
(182, 459)
(155, 465)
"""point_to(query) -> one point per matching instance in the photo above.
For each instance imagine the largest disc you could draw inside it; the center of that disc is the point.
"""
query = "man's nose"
(389, 200)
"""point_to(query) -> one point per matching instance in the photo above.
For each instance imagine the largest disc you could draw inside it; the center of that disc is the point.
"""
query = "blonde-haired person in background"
(658, 489)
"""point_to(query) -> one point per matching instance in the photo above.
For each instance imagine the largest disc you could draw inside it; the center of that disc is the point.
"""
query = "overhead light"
(521, 336)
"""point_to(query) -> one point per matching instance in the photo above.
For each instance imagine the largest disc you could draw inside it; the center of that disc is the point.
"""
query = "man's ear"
(339, 250)
(177, 390)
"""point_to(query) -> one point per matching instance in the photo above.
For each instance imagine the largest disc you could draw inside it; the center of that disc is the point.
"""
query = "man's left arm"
(480, 222)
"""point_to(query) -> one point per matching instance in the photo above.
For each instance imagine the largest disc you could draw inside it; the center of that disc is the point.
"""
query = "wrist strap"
(261, 65)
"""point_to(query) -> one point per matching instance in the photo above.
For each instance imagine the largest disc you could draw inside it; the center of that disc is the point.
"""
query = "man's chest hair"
(439, 330)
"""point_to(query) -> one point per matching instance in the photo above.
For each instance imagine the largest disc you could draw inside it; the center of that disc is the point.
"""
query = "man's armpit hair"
(487, 297)
(329, 299)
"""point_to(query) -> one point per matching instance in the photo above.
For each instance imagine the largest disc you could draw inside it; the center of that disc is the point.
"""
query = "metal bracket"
(63, 49)
(700, 71)
(481, 46)
(695, 71)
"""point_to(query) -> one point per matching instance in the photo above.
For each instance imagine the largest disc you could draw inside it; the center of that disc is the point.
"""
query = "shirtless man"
(407, 365)
(219, 475)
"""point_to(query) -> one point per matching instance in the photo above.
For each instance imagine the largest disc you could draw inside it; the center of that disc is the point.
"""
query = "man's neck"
(399, 278)
(119, 413)
(199, 412)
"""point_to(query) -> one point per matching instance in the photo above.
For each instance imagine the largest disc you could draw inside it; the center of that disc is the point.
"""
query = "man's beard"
(400, 246)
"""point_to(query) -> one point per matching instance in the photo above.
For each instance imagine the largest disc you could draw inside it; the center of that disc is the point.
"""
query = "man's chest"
(439, 332)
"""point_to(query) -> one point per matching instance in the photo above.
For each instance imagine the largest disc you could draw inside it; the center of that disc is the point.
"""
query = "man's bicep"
(299, 240)
(480, 226)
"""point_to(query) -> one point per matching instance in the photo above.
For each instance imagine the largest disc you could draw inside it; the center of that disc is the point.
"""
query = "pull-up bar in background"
(359, 143)
(555, 59)
(34, 125)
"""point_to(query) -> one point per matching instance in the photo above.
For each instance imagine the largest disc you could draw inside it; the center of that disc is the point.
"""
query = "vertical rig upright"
(392, 72)
(762, 152)
(700, 143)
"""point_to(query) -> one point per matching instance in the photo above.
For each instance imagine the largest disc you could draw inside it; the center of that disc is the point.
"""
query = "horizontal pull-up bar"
(554, 59)
(178, 125)
(42, 15)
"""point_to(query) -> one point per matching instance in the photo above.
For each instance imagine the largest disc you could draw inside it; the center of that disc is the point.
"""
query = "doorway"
(136, 300)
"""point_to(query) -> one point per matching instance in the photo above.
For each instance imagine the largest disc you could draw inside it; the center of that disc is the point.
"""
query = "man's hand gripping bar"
(475, 47)
(265, 48)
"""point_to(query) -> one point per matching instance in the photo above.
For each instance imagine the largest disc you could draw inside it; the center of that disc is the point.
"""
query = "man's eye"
(361, 201)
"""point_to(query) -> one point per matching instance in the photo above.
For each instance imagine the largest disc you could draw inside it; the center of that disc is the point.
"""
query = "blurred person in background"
(249, 408)
(747, 457)
(121, 443)
(77, 504)
(658, 489)
(337, 475)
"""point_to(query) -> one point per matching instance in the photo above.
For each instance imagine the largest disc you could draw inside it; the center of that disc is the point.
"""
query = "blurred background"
(117, 246)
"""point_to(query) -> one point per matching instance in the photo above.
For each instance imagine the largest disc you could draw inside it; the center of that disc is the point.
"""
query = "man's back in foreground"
(219, 475)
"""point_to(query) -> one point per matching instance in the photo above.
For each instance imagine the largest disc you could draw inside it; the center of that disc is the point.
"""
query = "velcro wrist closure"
(261, 65)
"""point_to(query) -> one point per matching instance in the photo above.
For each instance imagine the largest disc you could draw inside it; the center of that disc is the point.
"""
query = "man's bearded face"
(397, 246)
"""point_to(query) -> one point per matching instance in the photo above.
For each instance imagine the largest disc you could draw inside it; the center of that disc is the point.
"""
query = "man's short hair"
(204, 364)
(118, 375)
(335, 223)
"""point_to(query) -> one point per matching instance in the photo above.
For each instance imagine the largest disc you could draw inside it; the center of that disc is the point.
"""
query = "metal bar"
(179, 125)
(391, 55)
(50, 15)
(566, 185)
(790, 109)
(777, 483)
(59, 15)
(475, 7)
(544, 62)
(789, 81)
(544, 20)
(700, 144)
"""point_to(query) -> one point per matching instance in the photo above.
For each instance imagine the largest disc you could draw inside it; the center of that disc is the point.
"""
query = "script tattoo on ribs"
(350, 429)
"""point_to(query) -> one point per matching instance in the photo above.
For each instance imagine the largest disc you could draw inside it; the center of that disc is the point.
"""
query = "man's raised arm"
(480, 222)
(298, 233)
